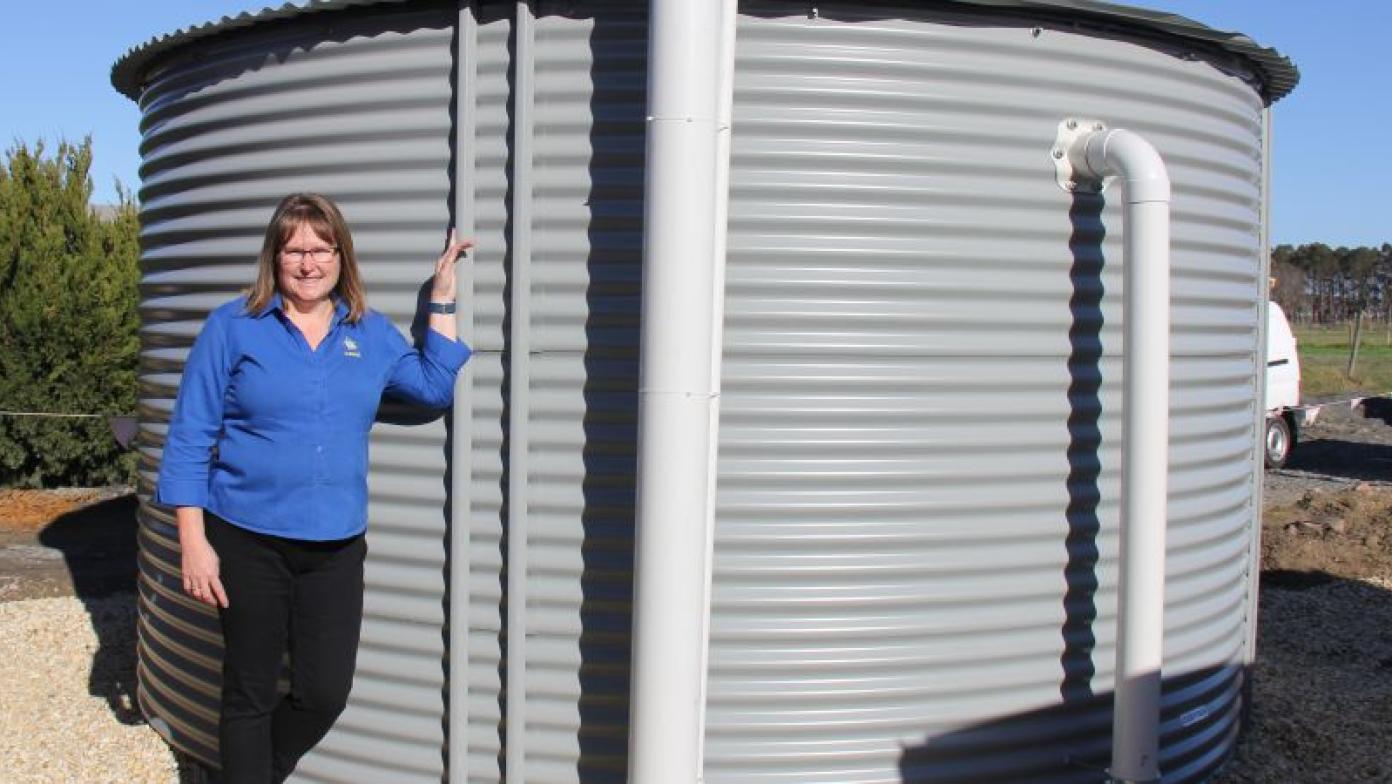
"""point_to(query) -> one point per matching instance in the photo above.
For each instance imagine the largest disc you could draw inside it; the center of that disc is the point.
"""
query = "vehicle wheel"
(1278, 441)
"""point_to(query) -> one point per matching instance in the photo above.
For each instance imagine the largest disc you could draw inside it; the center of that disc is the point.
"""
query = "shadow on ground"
(98, 546)
(1348, 443)
(1322, 695)
(1343, 459)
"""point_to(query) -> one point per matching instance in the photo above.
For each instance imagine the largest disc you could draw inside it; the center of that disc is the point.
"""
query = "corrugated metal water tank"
(914, 575)
(360, 110)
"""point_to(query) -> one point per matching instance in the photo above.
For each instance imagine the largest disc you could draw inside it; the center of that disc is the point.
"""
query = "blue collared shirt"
(272, 436)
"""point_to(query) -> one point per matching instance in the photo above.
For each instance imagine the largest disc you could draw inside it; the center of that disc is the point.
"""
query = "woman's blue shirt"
(272, 436)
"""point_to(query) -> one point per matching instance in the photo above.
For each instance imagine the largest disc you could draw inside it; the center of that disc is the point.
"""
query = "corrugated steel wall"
(560, 141)
(360, 111)
(918, 492)
(491, 145)
(917, 496)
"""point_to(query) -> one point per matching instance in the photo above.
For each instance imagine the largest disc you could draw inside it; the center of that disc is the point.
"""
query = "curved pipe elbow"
(1127, 155)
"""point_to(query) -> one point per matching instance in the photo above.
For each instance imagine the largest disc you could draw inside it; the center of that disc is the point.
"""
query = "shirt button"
(319, 449)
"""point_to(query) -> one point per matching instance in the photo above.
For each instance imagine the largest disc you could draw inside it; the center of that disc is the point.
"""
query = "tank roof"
(1277, 74)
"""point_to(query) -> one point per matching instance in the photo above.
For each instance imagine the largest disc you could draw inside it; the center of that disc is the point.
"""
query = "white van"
(1283, 412)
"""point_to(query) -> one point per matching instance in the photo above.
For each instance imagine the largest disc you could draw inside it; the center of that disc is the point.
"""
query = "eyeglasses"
(316, 255)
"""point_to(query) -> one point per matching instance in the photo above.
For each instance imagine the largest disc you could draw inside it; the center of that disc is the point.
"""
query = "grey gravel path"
(67, 688)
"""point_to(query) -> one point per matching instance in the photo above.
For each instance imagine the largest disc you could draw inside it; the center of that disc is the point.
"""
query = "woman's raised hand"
(442, 289)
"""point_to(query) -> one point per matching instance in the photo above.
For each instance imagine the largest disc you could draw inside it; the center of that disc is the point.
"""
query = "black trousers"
(284, 596)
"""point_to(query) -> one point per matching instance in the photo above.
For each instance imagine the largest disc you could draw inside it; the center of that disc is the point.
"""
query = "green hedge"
(69, 320)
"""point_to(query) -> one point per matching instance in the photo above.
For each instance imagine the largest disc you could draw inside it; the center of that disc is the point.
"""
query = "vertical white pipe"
(1145, 445)
(461, 451)
(677, 388)
(1141, 594)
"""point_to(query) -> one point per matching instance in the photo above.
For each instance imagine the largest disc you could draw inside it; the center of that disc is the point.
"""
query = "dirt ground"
(1328, 510)
(1335, 533)
(1321, 690)
(66, 542)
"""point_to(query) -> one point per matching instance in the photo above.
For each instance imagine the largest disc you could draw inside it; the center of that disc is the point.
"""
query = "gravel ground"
(1322, 685)
(67, 711)
(1322, 691)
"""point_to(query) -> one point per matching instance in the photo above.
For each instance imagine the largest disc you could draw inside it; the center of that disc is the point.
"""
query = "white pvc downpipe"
(688, 54)
(1145, 444)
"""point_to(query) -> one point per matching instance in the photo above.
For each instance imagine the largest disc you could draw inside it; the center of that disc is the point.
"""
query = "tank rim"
(1275, 72)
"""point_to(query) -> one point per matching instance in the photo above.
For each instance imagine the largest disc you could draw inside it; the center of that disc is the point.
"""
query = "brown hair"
(322, 216)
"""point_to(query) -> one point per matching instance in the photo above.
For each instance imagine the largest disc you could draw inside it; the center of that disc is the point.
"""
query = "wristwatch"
(443, 308)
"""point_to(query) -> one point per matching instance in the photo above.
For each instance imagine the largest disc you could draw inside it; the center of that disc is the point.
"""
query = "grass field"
(1324, 352)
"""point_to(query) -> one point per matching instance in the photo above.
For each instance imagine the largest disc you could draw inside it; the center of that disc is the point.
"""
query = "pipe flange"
(1069, 155)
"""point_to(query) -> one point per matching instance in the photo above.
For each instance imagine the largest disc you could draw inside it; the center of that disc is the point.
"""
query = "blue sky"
(1331, 169)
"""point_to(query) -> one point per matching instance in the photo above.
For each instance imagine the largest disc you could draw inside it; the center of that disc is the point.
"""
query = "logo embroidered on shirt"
(350, 348)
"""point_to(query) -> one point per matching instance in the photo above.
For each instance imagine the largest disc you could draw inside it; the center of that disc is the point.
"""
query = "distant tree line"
(1322, 285)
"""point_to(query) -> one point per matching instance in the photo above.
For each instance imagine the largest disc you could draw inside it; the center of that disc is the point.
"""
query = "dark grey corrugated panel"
(587, 232)
(482, 760)
(586, 155)
(1278, 75)
(920, 435)
(362, 114)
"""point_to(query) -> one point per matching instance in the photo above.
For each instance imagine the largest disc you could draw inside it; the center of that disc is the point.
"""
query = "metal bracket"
(1067, 154)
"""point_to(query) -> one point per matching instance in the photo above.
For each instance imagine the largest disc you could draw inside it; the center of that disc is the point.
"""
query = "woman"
(265, 464)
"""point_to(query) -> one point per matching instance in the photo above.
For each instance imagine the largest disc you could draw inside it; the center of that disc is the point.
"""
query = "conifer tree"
(69, 320)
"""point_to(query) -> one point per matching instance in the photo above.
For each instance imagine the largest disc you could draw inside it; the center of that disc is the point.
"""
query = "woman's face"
(307, 267)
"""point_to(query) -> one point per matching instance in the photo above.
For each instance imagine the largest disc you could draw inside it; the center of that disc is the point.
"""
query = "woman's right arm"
(196, 423)
(188, 447)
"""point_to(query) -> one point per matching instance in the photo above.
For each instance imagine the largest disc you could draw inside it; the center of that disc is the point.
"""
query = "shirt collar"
(273, 304)
(278, 303)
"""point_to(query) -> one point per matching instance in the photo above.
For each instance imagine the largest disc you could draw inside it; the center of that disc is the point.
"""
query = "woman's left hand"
(442, 289)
